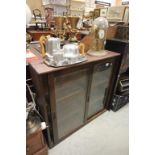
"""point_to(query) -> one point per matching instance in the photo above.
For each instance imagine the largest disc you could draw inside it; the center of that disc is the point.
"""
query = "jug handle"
(42, 41)
(82, 48)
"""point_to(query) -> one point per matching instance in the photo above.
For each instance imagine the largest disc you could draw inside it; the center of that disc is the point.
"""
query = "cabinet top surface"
(41, 68)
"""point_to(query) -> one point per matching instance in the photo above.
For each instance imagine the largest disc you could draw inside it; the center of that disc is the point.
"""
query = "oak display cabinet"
(70, 97)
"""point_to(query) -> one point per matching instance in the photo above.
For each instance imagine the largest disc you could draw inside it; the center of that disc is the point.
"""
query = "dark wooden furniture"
(120, 44)
(35, 144)
(70, 97)
(37, 34)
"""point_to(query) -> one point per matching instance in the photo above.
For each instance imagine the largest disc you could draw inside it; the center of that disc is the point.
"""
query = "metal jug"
(49, 45)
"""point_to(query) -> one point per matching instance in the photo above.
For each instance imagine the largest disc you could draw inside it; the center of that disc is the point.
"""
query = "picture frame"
(103, 12)
(96, 13)
(116, 13)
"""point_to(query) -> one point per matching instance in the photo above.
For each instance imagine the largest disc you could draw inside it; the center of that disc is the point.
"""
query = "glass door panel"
(100, 81)
(70, 92)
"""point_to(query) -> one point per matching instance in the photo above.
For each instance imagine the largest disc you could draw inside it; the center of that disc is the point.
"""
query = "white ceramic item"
(71, 51)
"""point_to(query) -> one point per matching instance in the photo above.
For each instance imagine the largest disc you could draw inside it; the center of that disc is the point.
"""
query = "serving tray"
(65, 62)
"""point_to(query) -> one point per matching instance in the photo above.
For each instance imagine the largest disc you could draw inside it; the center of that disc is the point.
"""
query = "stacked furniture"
(120, 44)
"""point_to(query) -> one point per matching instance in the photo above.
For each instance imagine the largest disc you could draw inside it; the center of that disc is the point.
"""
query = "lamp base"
(97, 53)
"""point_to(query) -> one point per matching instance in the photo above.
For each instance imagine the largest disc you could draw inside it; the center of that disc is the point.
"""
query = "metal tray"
(66, 62)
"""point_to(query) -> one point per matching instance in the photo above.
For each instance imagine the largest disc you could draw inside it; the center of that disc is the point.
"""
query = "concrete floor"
(106, 135)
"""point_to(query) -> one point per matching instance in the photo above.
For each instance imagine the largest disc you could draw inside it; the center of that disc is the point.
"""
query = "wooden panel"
(40, 84)
(52, 105)
(70, 92)
(34, 142)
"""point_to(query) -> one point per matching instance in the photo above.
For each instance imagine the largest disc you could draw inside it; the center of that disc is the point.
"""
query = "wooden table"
(70, 97)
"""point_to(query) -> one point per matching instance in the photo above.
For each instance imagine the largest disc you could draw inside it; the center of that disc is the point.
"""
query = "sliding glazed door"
(99, 88)
(70, 92)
